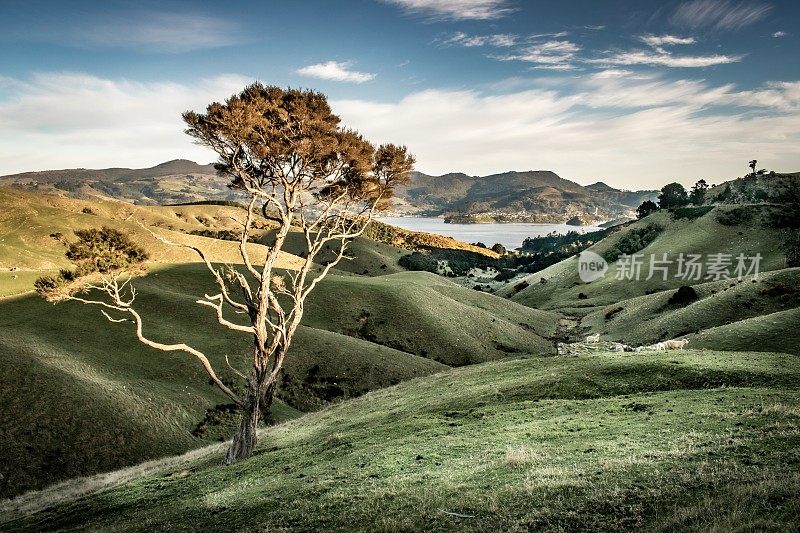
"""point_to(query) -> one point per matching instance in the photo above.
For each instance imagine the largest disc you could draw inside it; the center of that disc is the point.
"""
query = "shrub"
(104, 250)
(611, 313)
(634, 241)
(736, 217)
(97, 250)
(505, 274)
(790, 245)
(788, 214)
(683, 296)
(223, 234)
(499, 249)
(88, 211)
(48, 284)
(418, 261)
(646, 208)
(520, 286)
(690, 213)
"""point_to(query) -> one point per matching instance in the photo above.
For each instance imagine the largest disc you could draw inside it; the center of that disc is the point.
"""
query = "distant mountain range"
(532, 196)
(177, 181)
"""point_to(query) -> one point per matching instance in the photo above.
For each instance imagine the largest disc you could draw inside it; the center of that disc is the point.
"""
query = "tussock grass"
(543, 444)
(121, 403)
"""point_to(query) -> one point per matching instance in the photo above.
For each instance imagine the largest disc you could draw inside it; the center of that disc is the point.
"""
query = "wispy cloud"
(595, 28)
(77, 120)
(665, 40)
(68, 120)
(555, 35)
(487, 133)
(553, 55)
(152, 32)
(613, 73)
(780, 34)
(497, 39)
(335, 71)
(455, 9)
(661, 57)
(719, 14)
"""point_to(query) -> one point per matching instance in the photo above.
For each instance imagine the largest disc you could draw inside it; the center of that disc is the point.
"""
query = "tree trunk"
(265, 404)
(244, 441)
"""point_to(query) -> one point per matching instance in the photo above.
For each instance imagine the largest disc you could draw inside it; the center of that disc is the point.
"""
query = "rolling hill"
(747, 314)
(122, 403)
(613, 442)
(487, 430)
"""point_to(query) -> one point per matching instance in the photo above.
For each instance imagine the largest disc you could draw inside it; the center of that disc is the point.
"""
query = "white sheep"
(676, 345)
(592, 339)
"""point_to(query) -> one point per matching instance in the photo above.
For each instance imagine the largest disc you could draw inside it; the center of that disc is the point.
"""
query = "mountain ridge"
(513, 196)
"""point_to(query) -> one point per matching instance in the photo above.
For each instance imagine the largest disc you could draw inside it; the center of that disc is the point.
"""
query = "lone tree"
(673, 195)
(698, 194)
(646, 208)
(286, 151)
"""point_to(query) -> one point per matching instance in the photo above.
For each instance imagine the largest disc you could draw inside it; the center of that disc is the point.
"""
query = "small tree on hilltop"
(646, 208)
(287, 152)
(752, 164)
(698, 194)
(673, 195)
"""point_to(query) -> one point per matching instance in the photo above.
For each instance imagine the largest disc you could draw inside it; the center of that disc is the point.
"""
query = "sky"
(634, 93)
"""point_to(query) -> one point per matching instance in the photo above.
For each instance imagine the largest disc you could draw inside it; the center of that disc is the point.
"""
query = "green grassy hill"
(424, 314)
(651, 318)
(33, 228)
(122, 403)
(365, 256)
(653, 441)
(562, 288)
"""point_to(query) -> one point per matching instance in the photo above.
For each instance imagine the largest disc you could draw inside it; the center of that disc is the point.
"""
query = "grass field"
(376, 428)
(562, 287)
(742, 307)
(29, 222)
(696, 440)
(122, 403)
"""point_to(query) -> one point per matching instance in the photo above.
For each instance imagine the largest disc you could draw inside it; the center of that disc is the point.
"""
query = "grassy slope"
(28, 220)
(365, 256)
(688, 440)
(424, 314)
(743, 307)
(122, 403)
(703, 235)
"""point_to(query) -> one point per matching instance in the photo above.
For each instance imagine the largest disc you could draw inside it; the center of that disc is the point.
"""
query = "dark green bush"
(790, 244)
(736, 217)
(683, 296)
(690, 213)
(635, 240)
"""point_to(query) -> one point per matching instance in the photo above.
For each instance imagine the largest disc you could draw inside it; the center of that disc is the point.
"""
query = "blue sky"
(634, 93)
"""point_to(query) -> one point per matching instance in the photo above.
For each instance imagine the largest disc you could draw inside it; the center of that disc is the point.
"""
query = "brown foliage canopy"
(271, 139)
